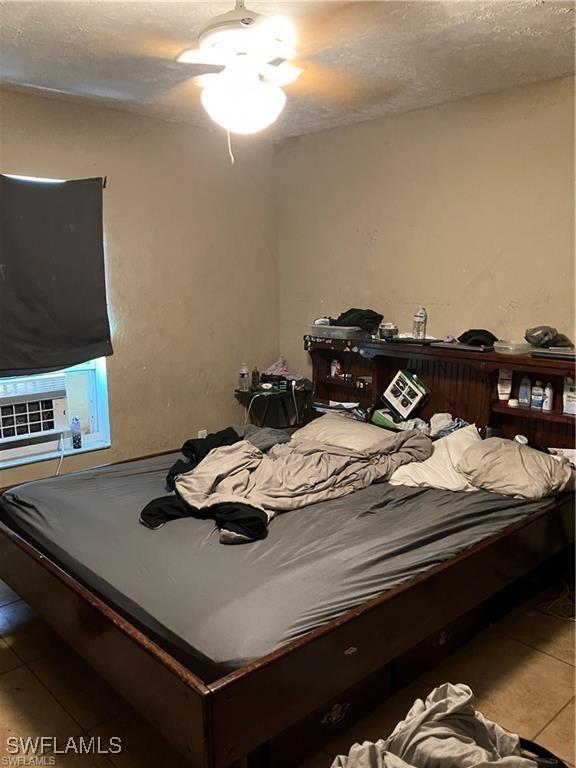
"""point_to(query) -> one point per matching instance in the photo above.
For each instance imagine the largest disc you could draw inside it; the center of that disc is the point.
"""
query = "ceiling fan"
(253, 54)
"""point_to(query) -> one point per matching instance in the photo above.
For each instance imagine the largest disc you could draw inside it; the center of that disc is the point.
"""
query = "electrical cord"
(232, 160)
(561, 606)
(247, 414)
(295, 403)
(59, 467)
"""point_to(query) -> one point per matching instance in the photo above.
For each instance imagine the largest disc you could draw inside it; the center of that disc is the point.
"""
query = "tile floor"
(521, 669)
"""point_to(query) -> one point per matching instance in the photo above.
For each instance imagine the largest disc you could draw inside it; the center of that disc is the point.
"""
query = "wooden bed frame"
(314, 683)
(272, 710)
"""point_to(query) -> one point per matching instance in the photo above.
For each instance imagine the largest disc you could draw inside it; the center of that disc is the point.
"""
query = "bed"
(224, 648)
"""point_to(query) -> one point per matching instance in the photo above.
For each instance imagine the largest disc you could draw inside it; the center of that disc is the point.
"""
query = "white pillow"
(332, 429)
(439, 471)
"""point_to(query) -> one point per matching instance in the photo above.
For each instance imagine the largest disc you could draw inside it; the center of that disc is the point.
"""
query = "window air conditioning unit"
(32, 408)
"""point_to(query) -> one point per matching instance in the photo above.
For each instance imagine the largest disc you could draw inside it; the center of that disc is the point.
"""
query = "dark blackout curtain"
(52, 283)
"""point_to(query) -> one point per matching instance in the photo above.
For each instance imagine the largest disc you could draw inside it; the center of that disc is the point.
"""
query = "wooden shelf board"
(334, 382)
(528, 413)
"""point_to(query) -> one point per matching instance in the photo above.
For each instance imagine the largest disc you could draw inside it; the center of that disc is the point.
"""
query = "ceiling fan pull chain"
(230, 148)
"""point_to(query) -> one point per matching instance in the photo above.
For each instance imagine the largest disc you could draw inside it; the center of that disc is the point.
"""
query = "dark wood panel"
(294, 745)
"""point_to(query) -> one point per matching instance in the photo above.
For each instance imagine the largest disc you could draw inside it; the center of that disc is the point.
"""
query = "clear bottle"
(419, 324)
(537, 396)
(244, 378)
(525, 392)
(548, 403)
(76, 430)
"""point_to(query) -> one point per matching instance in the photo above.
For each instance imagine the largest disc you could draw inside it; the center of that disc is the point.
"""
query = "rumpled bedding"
(505, 466)
(444, 731)
(294, 474)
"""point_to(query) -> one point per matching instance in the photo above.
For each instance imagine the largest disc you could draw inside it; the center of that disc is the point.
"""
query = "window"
(36, 412)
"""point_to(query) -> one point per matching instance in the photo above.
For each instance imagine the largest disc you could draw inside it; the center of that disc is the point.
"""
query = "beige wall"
(189, 257)
(467, 208)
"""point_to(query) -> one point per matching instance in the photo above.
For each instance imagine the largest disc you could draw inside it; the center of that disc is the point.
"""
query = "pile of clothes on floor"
(445, 731)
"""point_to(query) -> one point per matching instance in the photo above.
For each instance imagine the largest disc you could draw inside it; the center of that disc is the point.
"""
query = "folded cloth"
(477, 337)
(366, 319)
(442, 732)
(450, 427)
(264, 438)
(280, 368)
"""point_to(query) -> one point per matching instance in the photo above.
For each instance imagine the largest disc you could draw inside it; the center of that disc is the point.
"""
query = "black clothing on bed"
(236, 522)
(197, 449)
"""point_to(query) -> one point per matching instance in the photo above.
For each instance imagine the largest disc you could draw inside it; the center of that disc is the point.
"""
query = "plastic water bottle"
(244, 378)
(525, 392)
(419, 324)
(548, 403)
(537, 399)
(76, 431)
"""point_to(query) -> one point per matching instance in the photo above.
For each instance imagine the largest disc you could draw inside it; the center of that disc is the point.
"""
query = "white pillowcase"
(439, 471)
(332, 429)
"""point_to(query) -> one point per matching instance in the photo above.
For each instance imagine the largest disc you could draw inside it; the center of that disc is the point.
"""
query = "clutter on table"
(545, 336)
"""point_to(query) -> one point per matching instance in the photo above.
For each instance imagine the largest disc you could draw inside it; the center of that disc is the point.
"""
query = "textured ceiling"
(363, 60)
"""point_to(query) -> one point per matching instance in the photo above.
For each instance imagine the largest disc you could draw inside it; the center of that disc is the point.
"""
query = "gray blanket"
(444, 731)
(295, 474)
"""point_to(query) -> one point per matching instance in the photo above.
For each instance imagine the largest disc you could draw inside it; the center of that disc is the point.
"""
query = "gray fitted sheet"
(217, 607)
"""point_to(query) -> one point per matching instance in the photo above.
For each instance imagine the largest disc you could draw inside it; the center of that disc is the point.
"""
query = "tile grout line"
(43, 684)
(555, 716)
(83, 731)
(534, 648)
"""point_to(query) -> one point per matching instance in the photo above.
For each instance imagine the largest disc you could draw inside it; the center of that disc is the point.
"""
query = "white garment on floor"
(445, 731)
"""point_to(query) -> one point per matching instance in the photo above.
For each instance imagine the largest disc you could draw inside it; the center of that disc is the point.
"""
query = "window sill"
(99, 445)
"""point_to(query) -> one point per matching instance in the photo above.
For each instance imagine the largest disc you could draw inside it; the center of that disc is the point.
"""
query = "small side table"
(274, 408)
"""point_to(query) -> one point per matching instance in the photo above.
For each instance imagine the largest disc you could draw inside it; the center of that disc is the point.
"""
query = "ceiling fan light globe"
(243, 108)
(279, 28)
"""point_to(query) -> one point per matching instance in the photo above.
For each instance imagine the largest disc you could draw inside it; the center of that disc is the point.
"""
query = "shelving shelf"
(462, 382)
(527, 413)
(350, 384)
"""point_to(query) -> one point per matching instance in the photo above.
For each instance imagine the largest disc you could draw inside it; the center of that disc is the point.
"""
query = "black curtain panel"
(52, 283)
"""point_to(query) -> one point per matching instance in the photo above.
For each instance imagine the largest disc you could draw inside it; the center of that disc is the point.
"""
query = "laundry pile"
(444, 731)
(440, 425)
(241, 487)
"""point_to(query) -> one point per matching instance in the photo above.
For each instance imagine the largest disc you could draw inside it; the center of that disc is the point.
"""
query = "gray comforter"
(295, 474)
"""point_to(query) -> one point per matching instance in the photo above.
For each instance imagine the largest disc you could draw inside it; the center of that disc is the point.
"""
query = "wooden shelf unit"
(463, 383)
(527, 413)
